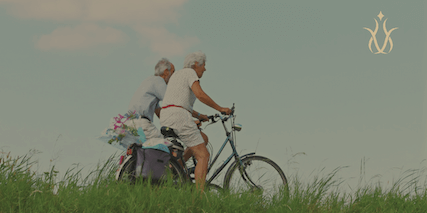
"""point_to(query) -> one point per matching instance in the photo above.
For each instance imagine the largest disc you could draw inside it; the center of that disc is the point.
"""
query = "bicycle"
(247, 173)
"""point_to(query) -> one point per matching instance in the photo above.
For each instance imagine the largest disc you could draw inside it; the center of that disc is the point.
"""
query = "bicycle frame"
(230, 140)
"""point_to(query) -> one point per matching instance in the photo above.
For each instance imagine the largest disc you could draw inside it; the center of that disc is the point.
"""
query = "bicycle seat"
(168, 132)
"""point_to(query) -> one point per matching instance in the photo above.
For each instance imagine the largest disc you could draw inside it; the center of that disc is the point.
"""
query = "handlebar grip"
(209, 118)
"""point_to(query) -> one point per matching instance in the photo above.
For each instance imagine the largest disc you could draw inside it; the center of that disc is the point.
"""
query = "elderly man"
(177, 111)
(146, 99)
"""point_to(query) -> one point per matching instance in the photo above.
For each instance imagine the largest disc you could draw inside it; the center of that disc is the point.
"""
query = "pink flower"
(126, 120)
(115, 126)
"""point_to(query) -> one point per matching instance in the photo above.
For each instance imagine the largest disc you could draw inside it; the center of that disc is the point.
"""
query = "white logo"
(374, 38)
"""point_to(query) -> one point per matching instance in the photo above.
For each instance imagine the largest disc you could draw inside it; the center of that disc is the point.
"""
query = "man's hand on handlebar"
(203, 118)
(198, 123)
(225, 110)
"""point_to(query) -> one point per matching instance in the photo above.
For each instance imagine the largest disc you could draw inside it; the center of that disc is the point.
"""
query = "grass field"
(22, 190)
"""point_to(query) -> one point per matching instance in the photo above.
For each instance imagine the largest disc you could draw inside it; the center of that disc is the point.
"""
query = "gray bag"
(151, 163)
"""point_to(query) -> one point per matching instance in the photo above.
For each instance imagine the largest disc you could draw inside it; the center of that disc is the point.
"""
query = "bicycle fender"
(234, 163)
(247, 155)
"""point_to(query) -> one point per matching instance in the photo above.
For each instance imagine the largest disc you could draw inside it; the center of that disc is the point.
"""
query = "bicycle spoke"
(258, 175)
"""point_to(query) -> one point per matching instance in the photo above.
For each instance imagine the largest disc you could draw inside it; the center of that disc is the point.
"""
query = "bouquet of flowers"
(121, 128)
(124, 131)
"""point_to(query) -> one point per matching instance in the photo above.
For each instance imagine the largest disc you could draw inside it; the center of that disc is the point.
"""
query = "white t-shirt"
(179, 91)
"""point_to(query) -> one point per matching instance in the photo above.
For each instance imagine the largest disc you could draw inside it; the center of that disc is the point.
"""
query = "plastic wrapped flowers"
(123, 131)
(126, 130)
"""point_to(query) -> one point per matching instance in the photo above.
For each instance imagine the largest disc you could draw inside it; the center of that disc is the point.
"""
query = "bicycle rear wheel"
(127, 172)
(258, 174)
(173, 172)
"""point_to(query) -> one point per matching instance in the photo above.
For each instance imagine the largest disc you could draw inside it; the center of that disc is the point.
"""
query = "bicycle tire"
(215, 189)
(127, 172)
(178, 176)
(256, 168)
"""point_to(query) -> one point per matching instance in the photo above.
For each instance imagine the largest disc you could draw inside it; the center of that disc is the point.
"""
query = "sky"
(309, 92)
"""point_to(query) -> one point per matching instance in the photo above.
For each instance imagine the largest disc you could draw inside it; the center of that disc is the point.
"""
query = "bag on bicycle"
(150, 162)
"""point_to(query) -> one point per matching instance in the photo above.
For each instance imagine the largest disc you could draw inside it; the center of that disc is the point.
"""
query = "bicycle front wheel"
(256, 174)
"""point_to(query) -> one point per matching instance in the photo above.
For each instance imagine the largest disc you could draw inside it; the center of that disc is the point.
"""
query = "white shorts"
(183, 124)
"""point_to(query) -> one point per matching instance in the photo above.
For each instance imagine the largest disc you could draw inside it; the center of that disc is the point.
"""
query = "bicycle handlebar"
(222, 118)
(225, 118)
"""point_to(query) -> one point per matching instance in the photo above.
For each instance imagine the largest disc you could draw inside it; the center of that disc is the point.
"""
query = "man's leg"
(202, 156)
(188, 153)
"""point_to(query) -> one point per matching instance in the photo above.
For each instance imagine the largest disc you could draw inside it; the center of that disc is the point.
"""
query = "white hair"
(163, 64)
(191, 59)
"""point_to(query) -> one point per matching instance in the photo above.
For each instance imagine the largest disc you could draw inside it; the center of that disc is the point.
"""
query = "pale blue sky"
(300, 72)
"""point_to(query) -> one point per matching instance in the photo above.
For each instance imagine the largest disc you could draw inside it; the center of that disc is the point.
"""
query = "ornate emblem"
(374, 38)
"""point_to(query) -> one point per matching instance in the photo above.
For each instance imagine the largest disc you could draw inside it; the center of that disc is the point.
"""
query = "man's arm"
(197, 115)
(159, 91)
(157, 111)
(204, 98)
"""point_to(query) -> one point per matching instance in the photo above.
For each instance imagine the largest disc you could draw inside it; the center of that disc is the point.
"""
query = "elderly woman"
(177, 111)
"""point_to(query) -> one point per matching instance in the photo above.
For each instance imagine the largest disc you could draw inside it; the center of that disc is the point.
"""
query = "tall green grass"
(22, 190)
